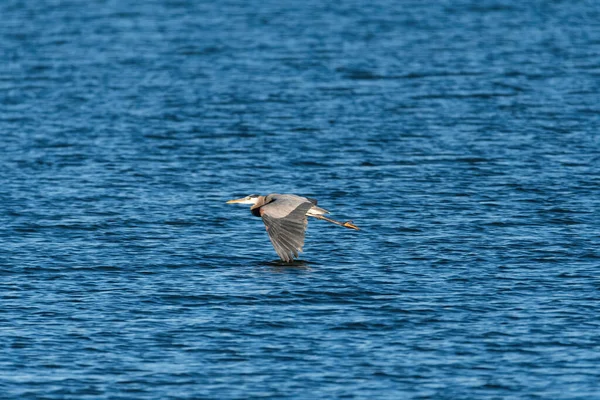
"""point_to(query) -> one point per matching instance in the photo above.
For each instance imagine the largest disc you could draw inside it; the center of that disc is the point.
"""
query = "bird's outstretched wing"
(285, 219)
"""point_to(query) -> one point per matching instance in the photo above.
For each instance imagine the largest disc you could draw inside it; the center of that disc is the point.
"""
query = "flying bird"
(285, 218)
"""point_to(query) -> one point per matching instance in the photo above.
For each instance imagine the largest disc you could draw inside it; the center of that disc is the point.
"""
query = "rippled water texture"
(462, 136)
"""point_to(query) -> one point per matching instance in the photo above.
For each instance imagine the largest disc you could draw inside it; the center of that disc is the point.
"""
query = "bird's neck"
(255, 209)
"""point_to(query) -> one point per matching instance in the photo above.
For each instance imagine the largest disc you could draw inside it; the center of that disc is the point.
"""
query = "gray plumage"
(285, 219)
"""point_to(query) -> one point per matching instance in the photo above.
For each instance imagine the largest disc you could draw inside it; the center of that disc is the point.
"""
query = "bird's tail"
(315, 210)
(347, 224)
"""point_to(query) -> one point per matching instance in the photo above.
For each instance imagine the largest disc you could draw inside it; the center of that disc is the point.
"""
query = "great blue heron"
(285, 219)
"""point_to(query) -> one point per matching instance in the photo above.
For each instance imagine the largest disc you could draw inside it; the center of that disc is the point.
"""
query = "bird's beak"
(235, 201)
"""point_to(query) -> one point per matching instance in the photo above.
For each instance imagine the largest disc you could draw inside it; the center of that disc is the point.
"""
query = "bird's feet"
(349, 224)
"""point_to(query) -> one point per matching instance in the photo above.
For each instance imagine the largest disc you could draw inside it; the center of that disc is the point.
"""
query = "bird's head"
(251, 199)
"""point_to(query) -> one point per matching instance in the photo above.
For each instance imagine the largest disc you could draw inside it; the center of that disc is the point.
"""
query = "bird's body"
(285, 218)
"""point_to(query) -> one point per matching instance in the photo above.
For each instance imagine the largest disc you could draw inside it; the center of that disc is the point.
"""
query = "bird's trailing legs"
(347, 224)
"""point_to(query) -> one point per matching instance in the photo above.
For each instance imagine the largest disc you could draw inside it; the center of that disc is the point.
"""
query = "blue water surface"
(461, 136)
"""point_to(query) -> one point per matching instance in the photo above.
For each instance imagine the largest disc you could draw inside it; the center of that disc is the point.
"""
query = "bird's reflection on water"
(281, 266)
